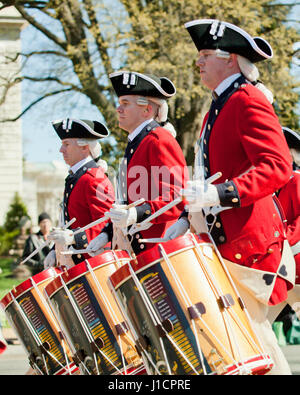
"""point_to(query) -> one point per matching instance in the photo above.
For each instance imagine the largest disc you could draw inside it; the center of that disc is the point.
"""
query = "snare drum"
(36, 327)
(189, 319)
(90, 318)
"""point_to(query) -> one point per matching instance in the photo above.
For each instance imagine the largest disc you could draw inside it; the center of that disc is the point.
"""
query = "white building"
(43, 185)
(40, 185)
(10, 132)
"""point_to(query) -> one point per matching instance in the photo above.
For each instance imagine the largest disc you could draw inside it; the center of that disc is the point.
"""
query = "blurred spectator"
(34, 241)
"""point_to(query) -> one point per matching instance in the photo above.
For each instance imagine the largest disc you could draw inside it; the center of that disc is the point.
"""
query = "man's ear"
(148, 110)
(86, 149)
(232, 60)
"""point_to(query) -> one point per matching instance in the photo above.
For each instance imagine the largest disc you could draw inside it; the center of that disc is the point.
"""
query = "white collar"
(138, 130)
(226, 83)
(79, 164)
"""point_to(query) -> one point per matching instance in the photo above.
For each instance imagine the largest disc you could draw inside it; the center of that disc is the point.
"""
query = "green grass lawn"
(7, 282)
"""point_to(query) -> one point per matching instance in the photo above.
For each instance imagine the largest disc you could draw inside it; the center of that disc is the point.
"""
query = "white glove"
(62, 236)
(50, 260)
(178, 229)
(121, 216)
(96, 246)
(200, 194)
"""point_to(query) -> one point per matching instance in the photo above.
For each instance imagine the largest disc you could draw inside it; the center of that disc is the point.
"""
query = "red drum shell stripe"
(65, 371)
(154, 254)
(27, 285)
(81, 269)
(6, 301)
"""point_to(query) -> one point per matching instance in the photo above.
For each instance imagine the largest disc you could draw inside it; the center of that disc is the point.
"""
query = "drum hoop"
(27, 285)
(6, 301)
(81, 269)
(56, 285)
(171, 246)
(125, 273)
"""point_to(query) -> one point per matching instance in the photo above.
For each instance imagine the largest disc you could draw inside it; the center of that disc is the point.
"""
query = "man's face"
(72, 152)
(212, 68)
(130, 114)
(45, 226)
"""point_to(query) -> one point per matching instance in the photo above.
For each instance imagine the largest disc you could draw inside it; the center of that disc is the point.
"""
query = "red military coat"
(289, 197)
(247, 145)
(88, 195)
(156, 171)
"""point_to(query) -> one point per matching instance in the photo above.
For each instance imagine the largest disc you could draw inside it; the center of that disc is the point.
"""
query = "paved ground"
(14, 360)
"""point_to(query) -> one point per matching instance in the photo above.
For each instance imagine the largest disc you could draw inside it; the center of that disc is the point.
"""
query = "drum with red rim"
(34, 323)
(90, 318)
(185, 310)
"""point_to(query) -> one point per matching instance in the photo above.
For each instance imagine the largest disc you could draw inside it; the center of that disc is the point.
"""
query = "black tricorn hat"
(80, 128)
(133, 83)
(292, 138)
(215, 34)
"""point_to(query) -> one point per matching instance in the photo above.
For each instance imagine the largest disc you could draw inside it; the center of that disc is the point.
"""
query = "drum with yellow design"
(186, 313)
(35, 324)
(90, 318)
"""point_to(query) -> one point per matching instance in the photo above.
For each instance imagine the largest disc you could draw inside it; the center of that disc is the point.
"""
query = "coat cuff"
(108, 229)
(143, 211)
(228, 194)
(81, 240)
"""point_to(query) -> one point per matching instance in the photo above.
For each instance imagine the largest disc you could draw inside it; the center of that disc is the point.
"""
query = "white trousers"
(259, 315)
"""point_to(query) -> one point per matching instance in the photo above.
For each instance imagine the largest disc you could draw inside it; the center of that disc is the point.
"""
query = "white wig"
(95, 150)
(251, 72)
(162, 115)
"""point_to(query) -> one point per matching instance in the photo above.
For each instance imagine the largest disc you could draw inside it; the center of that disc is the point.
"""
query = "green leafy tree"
(11, 228)
(17, 211)
(86, 40)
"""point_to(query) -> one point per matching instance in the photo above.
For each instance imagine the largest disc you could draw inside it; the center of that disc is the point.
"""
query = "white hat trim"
(237, 29)
(295, 134)
(84, 125)
(159, 88)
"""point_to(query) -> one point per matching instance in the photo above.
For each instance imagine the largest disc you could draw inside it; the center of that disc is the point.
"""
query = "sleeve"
(290, 200)
(264, 144)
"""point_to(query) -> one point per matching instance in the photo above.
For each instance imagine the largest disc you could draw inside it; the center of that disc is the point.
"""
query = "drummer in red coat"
(88, 192)
(241, 137)
(153, 167)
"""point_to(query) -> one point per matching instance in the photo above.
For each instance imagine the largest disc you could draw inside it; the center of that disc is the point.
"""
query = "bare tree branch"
(29, 54)
(49, 94)
(42, 28)
(96, 33)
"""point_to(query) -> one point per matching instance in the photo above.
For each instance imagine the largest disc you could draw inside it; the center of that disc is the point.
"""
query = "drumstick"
(138, 226)
(47, 242)
(154, 240)
(213, 178)
(98, 221)
(106, 216)
(74, 252)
